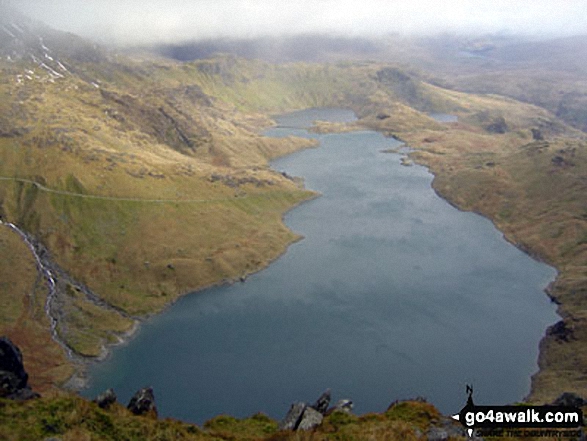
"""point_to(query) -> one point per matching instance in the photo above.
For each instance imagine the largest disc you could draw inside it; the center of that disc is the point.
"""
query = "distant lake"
(444, 117)
(392, 294)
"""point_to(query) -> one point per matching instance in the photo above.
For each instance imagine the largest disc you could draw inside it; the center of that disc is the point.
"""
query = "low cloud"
(158, 21)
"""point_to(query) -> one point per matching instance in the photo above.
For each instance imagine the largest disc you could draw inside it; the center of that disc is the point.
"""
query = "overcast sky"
(153, 21)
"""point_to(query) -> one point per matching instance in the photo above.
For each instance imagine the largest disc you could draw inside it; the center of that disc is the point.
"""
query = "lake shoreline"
(541, 391)
(79, 381)
(549, 290)
(422, 181)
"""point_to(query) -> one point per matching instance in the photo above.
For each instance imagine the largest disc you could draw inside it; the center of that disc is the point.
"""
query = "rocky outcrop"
(537, 135)
(105, 399)
(293, 417)
(311, 419)
(302, 416)
(343, 405)
(143, 402)
(497, 126)
(322, 403)
(561, 331)
(445, 430)
(13, 377)
(570, 399)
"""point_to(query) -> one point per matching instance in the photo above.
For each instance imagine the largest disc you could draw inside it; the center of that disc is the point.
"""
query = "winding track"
(114, 198)
(47, 272)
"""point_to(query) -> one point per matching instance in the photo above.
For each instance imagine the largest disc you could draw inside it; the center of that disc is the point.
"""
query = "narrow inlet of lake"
(392, 294)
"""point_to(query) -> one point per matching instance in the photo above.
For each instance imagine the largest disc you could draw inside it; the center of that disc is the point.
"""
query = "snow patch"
(43, 45)
(14, 25)
(62, 66)
(8, 32)
(51, 71)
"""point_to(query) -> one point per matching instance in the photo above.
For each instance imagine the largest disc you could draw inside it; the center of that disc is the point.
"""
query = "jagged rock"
(343, 405)
(143, 402)
(293, 417)
(311, 418)
(498, 125)
(106, 399)
(13, 377)
(437, 434)
(322, 403)
(446, 428)
(11, 368)
(537, 135)
(560, 331)
(569, 399)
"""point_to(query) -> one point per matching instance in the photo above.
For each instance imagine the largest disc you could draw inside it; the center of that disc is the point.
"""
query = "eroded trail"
(115, 198)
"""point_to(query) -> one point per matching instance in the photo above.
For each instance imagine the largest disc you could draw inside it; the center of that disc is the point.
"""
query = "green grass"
(73, 418)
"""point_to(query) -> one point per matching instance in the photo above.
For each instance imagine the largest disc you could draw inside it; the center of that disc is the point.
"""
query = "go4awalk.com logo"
(519, 420)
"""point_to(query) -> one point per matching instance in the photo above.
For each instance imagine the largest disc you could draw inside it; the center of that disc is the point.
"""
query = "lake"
(392, 294)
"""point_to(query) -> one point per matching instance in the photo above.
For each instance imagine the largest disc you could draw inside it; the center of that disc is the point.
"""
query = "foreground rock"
(105, 399)
(570, 399)
(311, 419)
(302, 416)
(143, 402)
(343, 405)
(13, 377)
(293, 417)
(322, 403)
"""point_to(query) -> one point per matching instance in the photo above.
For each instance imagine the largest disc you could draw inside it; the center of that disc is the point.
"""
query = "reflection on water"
(392, 294)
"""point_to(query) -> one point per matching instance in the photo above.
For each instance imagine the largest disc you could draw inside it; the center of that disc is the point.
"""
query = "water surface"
(392, 294)
(444, 117)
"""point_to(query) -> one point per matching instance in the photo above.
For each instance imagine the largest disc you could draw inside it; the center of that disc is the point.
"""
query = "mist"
(143, 22)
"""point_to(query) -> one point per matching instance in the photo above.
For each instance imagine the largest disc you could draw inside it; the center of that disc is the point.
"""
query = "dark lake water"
(392, 294)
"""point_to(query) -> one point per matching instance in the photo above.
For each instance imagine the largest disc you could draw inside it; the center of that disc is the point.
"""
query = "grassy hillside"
(73, 418)
(139, 189)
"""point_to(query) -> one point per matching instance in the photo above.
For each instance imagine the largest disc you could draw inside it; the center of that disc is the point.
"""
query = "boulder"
(293, 417)
(344, 405)
(497, 125)
(322, 403)
(13, 377)
(301, 417)
(560, 331)
(143, 402)
(105, 399)
(569, 399)
(446, 429)
(537, 135)
(437, 434)
(311, 419)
